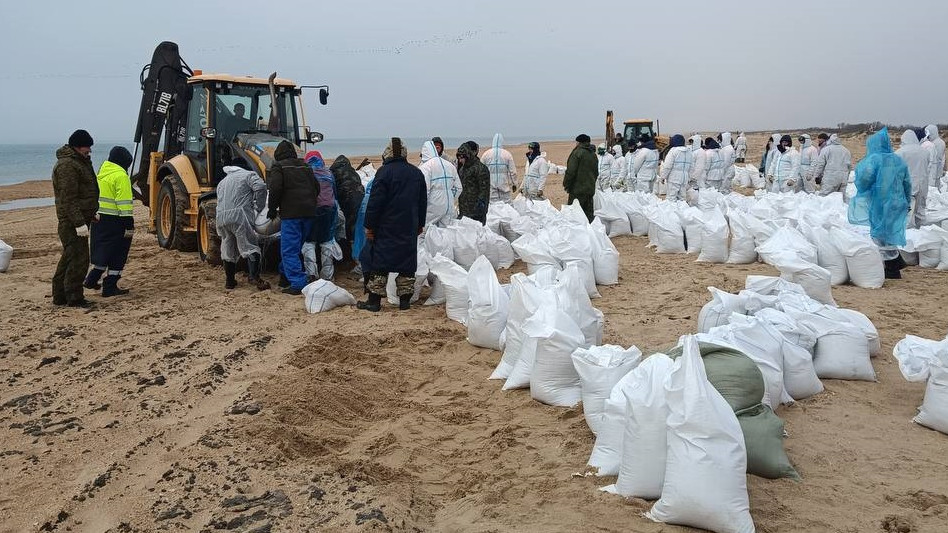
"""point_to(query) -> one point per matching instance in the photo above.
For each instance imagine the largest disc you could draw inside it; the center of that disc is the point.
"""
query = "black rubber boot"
(110, 287)
(893, 268)
(404, 302)
(253, 269)
(230, 270)
(284, 283)
(372, 303)
(92, 279)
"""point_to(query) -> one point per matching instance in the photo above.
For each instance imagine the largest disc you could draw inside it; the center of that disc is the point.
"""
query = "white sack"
(489, 306)
(714, 236)
(321, 295)
(6, 253)
(454, 279)
(599, 369)
(814, 279)
(863, 259)
(742, 248)
(526, 296)
(605, 255)
(553, 380)
(718, 311)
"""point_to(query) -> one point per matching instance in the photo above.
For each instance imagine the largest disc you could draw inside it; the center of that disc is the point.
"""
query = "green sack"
(732, 373)
(763, 438)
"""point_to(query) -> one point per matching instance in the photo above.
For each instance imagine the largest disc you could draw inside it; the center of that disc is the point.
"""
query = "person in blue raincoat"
(394, 217)
(883, 198)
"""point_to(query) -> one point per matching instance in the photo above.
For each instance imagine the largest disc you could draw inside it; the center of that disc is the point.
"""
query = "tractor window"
(197, 119)
(243, 109)
(634, 132)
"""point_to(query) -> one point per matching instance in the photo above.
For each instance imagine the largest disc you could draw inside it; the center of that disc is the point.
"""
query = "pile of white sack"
(927, 360)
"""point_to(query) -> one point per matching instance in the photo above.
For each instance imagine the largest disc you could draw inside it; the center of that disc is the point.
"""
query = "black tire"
(169, 225)
(209, 243)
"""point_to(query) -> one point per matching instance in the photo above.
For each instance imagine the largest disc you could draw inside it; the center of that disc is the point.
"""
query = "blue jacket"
(395, 212)
(884, 192)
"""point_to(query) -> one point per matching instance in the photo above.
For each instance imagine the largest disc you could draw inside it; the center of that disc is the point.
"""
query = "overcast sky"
(524, 68)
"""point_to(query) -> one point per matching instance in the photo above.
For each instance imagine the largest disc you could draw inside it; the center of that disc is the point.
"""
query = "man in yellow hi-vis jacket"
(112, 234)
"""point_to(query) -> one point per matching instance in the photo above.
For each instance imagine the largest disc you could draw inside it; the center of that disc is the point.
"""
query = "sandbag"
(644, 440)
(322, 295)
(927, 360)
(553, 379)
(770, 285)
(605, 256)
(572, 300)
(606, 454)
(693, 227)
(830, 257)
(526, 296)
(533, 251)
(665, 231)
(465, 246)
(718, 311)
(841, 351)
(6, 254)
(454, 279)
(439, 240)
(763, 345)
(814, 279)
(496, 249)
(862, 322)
(763, 436)
(705, 484)
(489, 306)
(421, 276)
(714, 236)
(599, 369)
(863, 260)
(787, 239)
(266, 226)
(742, 248)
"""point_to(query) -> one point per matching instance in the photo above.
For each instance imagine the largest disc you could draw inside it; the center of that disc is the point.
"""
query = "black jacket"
(292, 185)
(395, 212)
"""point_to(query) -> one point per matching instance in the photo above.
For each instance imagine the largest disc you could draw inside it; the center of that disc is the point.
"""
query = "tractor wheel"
(209, 244)
(172, 202)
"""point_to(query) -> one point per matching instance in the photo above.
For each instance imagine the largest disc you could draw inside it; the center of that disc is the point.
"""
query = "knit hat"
(389, 152)
(120, 156)
(787, 138)
(582, 138)
(80, 139)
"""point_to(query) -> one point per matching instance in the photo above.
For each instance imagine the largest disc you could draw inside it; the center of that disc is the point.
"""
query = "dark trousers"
(71, 270)
(586, 202)
(109, 246)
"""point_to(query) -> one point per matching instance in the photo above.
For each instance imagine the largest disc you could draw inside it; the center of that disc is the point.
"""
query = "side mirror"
(209, 133)
(313, 136)
(323, 96)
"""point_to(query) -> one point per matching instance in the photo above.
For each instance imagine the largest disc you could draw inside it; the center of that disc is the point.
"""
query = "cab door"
(196, 146)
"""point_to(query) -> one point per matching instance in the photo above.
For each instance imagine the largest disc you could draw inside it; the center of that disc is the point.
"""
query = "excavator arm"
(164, 85)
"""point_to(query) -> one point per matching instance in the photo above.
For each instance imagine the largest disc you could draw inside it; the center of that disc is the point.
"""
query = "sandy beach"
(184, 407)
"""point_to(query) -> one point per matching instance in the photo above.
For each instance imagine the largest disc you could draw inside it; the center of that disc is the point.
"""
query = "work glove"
(819, 181)
(272, 213)
(83, 230)
(129, 233)
(790, 183)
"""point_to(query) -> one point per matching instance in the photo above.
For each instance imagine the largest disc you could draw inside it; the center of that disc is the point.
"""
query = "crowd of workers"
(318, 206)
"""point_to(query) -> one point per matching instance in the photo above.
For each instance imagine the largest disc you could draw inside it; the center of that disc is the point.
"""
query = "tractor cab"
(634, 129)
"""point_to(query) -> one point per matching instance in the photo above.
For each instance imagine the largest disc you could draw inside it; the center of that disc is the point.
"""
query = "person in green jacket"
(475, 184)
(582, 169)
(111, 236)
(77, 202)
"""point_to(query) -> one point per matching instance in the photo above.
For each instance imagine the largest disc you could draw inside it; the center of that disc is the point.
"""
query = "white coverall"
(832, 167)
(775, 141)
(620, 171)
(937, 148)
(740, 147)
(713, 170)
(535, 177)
(604, 180)
(645, 168)
(730, 156)
(808, 155)
(240, 196)
(784, 170)
(698, 164)
(503, 171)
(918, 161)
(676, 170)
(444, 186)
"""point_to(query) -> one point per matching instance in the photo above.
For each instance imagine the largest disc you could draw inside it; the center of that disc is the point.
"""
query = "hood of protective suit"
(497, 143)
(726, 138)
(931, 131)
(695, 142)
(834, 139)
(284, 150)
(909, 138)
(879, 143)
(807, 142)
(775, 138)
(677, 140)
(428, 151)
(617, 150)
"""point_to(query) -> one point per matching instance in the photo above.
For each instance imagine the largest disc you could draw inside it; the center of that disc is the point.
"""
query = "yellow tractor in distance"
(635, 128)
(205, 122)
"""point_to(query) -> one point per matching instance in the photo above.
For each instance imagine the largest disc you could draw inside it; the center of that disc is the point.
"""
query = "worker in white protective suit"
(503, 171)
(730, 156)
(784, 170)
(676, 169)
(645, 166)
(604, 180)
(240, 196)
(740, 148)
(534, 178)
(444, 186)
(918, 161)
(713, 166)
(808, 155)
(698, 169)
(619, 169)
(935, 145)
(770, 153)
(831, 169)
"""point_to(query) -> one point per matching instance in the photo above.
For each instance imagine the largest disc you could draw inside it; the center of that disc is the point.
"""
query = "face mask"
(782, 148)
(601, 151)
